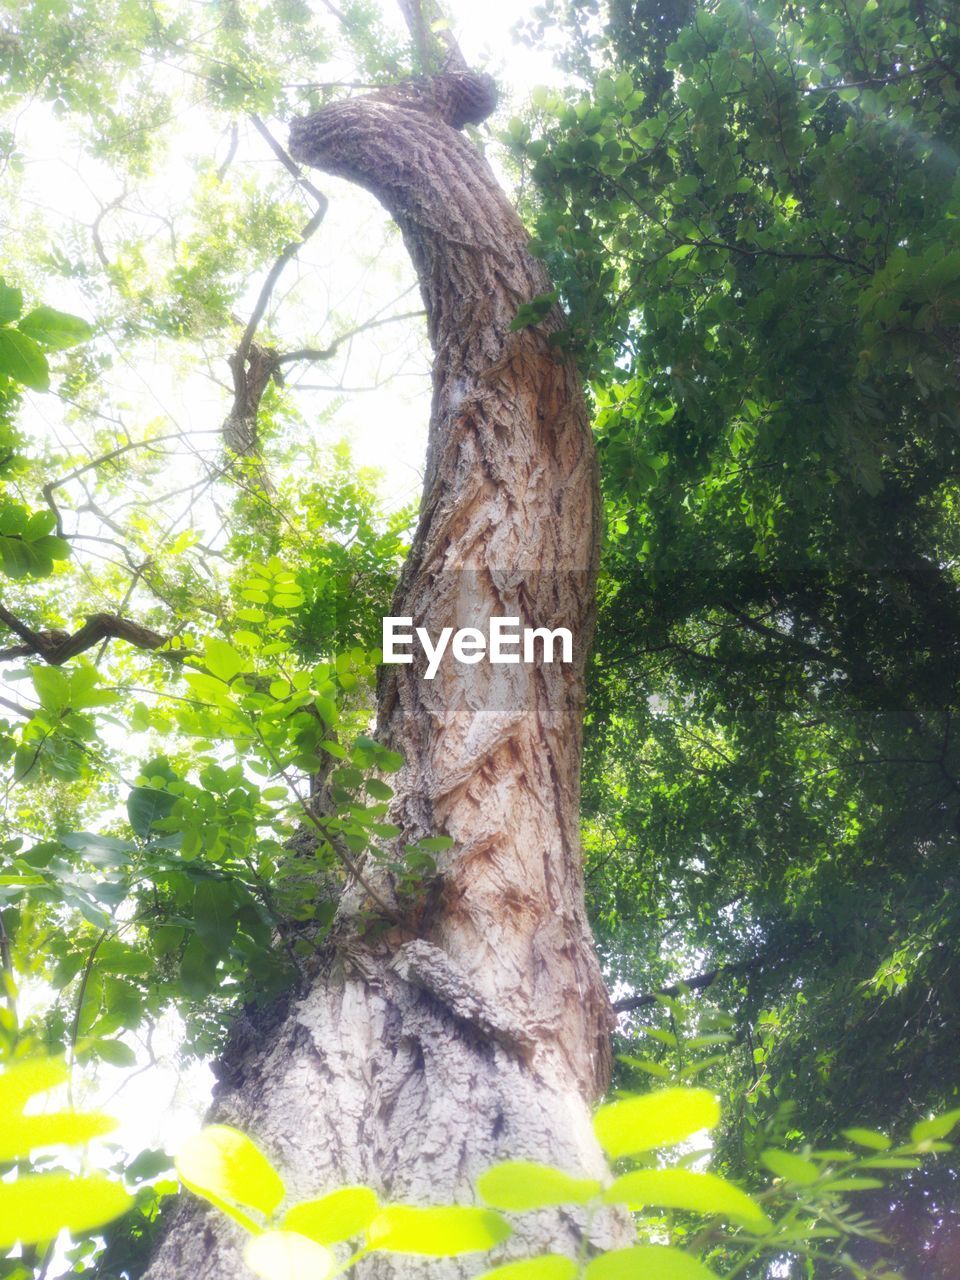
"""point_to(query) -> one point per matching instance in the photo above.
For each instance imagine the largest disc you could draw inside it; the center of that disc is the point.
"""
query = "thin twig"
(81, 996)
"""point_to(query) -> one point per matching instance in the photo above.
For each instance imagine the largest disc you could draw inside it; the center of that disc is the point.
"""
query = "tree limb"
(327, 353)
(432, 38)
(698, 983)
(252, 364)
(58, 647)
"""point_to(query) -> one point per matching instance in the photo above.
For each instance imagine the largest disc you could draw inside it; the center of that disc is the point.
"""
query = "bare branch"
(253, 364)
(49, 489)
(96, 224)
(432, 37)
(326, 353)
(231, 151)
(15, 706)
(332, 8)
(288, 162)
(704, 980)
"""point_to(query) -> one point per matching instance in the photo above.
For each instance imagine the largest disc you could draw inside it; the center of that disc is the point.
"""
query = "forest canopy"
(749, 217)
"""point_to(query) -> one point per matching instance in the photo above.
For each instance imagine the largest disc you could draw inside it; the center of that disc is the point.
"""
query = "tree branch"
(51, 487)
(252, 364)
(432, 38)
(15, 706)
(698, 983)
(57, 647)
(327, 353)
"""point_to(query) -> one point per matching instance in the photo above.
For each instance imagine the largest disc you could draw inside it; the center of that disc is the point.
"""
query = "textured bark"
(479, 1033)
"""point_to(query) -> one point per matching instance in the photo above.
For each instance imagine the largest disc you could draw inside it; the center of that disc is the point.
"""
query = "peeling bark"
(481, 1032)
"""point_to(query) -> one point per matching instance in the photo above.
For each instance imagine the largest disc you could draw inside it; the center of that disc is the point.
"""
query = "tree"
(477, 1030)
(198, 816)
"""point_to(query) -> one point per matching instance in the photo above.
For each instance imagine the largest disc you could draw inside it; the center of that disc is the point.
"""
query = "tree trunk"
(479, 1033)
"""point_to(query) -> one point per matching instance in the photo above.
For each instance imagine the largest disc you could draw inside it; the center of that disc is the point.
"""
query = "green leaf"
(790, 1167)
(652, 1120)
(102, 850)
(37, 1207)
(16, 558)
(683, 1189)
(341, 1215)
(856, 1184)
(436, 844)
(214, 907)
(51, 548)
(226, 1168)
(148, 1164)
(379, 790)
(222, 659)
(11, 302)
(519, 1185)
(198, 969)
(23, 361)
(52, 685)
(868, 1138)
(40, 522)
(647, 1262)
(147, 805)
(285, 1255)
(442, 1232)
(54, 329)
(115, 1052)
(549, 1266)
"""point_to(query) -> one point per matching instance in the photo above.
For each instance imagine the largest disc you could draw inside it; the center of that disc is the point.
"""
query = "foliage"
(35, 1207)
(804, 1214)
(749, 213)
(27, 543)
(189, 784)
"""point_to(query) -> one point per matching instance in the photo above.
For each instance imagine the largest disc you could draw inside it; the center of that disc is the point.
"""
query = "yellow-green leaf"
(868, 1138)
(222, 659)
(11, 302)
(20, 1135)
(935, 1128)
(54, 329)
(790, 1167)
(519, 1185)
(286, 1255)
(436, 1232)
(549, 1266)
(338, 1216)
(647, 1262)
(37, 1206)
(24, 1080)
(657, 1119)
(22, 360)
(225, 1167)
(683, 1189)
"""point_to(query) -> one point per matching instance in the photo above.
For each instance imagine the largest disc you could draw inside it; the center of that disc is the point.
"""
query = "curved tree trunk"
(481, 1032)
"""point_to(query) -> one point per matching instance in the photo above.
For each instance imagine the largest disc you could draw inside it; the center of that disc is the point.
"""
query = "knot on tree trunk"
(458, 98)
(401, 141)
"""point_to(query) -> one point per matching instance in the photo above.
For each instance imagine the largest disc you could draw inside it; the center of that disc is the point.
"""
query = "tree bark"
(480, 1032)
